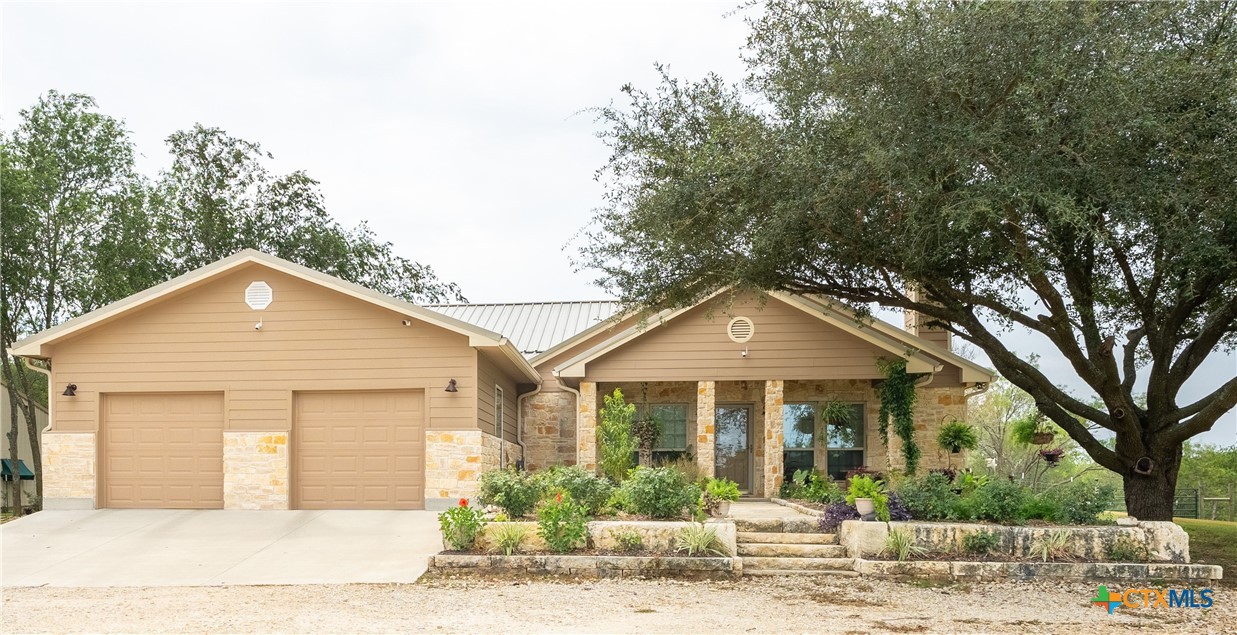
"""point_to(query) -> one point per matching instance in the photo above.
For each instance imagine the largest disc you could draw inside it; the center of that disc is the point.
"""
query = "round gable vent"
(258, 295)
(740, 329)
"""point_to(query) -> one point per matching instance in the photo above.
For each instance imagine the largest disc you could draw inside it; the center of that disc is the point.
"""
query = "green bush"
(928, 497)
(615, 442)
(1040, 507)
(1080, 502)
(629, 541)
(998, 501)
(562, 523)
(980, 542)
(1126, 549)
(659, 492)
(517, 493)
(586, 488)
(460, 525)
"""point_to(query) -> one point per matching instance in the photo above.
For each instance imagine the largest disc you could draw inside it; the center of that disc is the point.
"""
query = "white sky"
(458, 131)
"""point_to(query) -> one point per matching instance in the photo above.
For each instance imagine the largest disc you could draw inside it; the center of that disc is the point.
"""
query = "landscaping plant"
(629, 541)
(898, 511)
(901, 543)
(1052, 544)
(615, 442)
(1080, 502)
(460, 525)
(1126, 549)
(717, 490)
(867, 487)
(927, 497)
(586, 488)
(997, 501)
(698, 538)
(517, 492)
(562, 523)
(659, 492)
(980, 542)
(834, 514)
(508, 537)
(956, 436)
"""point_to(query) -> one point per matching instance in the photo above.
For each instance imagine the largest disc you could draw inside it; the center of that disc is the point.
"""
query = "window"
(846, 444)
(799, 435)
(672, 424)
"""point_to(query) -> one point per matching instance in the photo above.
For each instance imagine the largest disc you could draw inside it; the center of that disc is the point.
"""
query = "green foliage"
(629, 541)
(585, 487)
(1040, 507)
(1127, 549)
(1023, 430)
(1081, 501)
(516, 492)
(981, 542)
(866, 487)
(690, 469)
(1214, 466)
(811, 485)
(997, 501)
(928, 497)
(1053, 544)
(968, 482)
(698, 539)
(615, 442)
(562, 522)
(509, 537)
(722, 489)
(956, 435)
(900, 543)
(897, 409)
(460, 525)
(659, 492)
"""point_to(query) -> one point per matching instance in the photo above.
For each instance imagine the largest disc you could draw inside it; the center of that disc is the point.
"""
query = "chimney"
(916, 324)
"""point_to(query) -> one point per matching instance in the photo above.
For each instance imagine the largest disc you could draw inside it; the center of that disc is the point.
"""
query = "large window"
(672, 423)
(843, 443)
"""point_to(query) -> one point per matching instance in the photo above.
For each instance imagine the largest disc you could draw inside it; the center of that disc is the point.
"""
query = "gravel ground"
(445, 604)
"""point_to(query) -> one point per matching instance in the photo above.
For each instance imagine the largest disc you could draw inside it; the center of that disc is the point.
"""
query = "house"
(26, 464)
(256, 383)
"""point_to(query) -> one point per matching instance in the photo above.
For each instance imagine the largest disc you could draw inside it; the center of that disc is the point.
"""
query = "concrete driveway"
(115, 547)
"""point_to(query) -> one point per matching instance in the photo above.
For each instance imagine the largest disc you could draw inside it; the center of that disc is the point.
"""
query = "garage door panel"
(162, 451)
(359, 450)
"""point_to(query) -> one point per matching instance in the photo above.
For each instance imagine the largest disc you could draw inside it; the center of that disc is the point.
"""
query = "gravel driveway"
(469, 605)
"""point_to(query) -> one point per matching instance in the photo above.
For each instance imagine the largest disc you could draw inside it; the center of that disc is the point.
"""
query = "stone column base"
(255, 470)
(69, 470)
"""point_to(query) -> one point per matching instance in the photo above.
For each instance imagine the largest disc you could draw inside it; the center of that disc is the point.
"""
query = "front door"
(732, 444)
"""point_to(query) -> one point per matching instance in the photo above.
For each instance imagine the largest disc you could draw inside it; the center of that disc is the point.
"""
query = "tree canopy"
(1067, 168)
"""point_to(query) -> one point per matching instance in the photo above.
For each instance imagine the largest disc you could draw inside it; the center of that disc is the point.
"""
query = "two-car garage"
(349, 450)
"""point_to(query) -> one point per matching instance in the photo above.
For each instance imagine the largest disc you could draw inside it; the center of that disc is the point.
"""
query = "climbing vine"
(897, 399)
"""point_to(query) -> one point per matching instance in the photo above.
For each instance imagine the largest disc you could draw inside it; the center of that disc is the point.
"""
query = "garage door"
(359, 450)
(162, 451)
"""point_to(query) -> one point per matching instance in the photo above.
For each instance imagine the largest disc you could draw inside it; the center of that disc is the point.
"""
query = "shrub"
(517, 493)
(615, 442)
(929, 497)
(968, 482)
(617, 502)
(980, 542)
(956, 435)
(585, 487)
(834, 514)
(629, 541)
(1081, 502)
(1041, 507)
(698, 538)
(901, 543)
(998, 501)
(508, 537)
(460, 525)
(796, 485)
(659, 492)
(562, 523)
(1126, 549)
(867, 487)
(897, 509)
(1054, 544)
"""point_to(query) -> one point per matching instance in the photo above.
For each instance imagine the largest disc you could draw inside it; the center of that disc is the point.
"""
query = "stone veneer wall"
(454, 462)
(549, 430)
(706, 413)
(69, 470)
(773, 437)
(586, 426)
(255, 470)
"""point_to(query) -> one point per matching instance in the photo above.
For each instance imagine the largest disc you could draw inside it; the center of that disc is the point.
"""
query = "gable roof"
(536, 328)
(478, 337)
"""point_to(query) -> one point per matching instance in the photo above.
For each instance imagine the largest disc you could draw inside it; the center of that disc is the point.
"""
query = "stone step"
(756, 563)
(783, 550)
(787, 539)
(798, 572)
(804, 525)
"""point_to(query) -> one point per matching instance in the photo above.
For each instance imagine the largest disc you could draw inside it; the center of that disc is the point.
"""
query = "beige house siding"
(787, 344)
(490, 376)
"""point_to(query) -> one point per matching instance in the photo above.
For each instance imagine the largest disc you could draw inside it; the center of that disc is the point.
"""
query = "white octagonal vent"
(740, 329)
(258, 295)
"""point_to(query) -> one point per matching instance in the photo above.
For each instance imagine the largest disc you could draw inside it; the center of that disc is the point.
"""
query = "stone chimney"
(916, 323)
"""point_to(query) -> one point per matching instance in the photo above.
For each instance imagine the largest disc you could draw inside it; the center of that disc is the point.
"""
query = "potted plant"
(957, 436)
(719, 494)
(1032, 430)
(869, 498)
(1053, 456)
(646, 431)
(836, 417)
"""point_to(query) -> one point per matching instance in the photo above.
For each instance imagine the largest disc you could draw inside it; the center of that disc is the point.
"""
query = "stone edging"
(596, 566)
(1097, 571)
(797, 507)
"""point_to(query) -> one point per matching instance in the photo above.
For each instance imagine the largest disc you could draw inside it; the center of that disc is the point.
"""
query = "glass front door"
(732, 444)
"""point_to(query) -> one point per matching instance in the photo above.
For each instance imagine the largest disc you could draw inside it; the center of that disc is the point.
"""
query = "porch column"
(586, 426)
(706, 410)
(773, 437)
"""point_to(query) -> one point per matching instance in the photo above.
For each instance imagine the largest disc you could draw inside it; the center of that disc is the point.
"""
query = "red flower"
(558, 498)
(463, 502)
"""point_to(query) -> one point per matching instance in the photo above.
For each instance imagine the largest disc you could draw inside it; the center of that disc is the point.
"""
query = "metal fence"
(1198, 502)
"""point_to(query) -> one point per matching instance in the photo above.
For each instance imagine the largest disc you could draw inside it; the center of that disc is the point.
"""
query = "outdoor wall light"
(451, 386)
(70, 390)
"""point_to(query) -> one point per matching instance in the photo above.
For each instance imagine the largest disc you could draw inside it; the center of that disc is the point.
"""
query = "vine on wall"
(897, 398)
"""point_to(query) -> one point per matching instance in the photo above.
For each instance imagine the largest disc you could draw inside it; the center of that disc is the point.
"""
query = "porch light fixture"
(70, 390)
(451, 387)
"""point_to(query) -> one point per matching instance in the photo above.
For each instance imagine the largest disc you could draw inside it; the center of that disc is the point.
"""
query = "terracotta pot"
(865, 506)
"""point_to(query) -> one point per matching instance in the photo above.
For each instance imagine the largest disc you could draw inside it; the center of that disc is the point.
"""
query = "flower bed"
(610, 536)
(597, 566)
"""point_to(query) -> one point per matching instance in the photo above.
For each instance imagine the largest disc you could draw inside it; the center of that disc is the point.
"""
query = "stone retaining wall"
(656, 536)
(597, 566)
(1102, 571)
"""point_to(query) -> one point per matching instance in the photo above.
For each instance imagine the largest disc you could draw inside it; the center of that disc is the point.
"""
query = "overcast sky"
(460, 132)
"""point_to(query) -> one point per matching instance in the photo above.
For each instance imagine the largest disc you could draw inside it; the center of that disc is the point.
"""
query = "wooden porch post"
(706, 410)
(773, 437)
(586, 426)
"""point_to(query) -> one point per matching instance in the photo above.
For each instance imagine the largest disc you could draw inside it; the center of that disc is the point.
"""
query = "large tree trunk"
(14, 485)
(1150, 497)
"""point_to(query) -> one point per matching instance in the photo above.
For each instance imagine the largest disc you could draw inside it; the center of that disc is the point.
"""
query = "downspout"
(519, 423)
(576, 392)
(51, 399)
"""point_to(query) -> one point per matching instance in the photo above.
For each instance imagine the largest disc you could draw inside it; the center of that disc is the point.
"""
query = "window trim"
(687, 437)
(820, 446)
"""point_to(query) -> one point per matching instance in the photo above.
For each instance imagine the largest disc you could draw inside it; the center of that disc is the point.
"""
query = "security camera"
(257, 327)
(745, 351)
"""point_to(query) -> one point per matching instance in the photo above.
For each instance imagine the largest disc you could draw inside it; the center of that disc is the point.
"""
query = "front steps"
(790, 546)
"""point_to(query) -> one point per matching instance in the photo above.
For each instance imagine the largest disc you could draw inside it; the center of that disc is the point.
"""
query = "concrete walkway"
(196, 548)
(759, 510)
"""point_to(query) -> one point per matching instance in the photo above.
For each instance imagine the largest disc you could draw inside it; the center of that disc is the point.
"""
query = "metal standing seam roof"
(533, 327)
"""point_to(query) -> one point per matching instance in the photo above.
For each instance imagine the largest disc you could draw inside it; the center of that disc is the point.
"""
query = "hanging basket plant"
(1033, 430)
(897, 408)
(1053, 456)
(957, 436)
(836, 416)
(1042, 438)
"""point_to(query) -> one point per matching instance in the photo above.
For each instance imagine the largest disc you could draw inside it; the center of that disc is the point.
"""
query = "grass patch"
(1213, 542)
